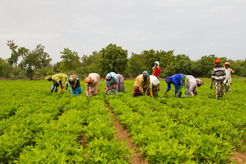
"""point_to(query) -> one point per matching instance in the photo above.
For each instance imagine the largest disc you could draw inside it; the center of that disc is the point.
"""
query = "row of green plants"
(163, 139)
(57, 128)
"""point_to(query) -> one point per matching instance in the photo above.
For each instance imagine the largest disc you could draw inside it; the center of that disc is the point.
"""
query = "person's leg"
(135, 92)
(216, 87)
(78, 90)
(71, 91)
(221, 89)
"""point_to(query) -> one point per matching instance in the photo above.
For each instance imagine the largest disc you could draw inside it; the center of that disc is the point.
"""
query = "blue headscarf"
(168, 79)
(108, 76)
(145, 74)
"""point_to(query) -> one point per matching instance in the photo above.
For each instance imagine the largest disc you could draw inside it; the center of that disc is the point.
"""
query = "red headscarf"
(217, 61)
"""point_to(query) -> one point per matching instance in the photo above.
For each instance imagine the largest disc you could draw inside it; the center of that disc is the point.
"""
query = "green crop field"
(39, 127)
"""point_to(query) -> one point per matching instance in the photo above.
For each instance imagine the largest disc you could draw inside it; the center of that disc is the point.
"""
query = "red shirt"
(157, 72)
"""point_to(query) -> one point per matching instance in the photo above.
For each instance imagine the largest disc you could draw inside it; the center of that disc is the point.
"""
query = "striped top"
(218, 74)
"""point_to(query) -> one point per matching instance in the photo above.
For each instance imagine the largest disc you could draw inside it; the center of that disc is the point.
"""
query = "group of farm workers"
(184, 84)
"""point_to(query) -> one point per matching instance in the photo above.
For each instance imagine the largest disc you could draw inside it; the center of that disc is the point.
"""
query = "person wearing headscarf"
(156, 69)
(121, 87)
(74, 84)
(141, 84)
(153, 85)
(92, 84)
(227, 81)
(217, 78)
(193, 83)
(180, 83)
(112, 83)
(59, 81)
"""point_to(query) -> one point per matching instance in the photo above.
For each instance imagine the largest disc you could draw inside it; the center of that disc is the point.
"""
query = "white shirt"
(153, 81)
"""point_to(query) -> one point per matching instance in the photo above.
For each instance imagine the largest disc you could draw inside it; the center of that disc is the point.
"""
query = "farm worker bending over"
(193, 83)
(121, 87)
(112, 83)
(74, 85)
(154, 83)
(227, 81)
(180, 83)
(92, 84)
(141, 84)
(218, 77)
(59, 79)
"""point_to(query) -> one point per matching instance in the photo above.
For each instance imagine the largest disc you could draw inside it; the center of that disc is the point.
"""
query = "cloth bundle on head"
(145, 74)
(156, 82)
(200, 82)
(227, 63)
(168, 79)
(217, 61)
(156, 62)
(88, 79)
(48, 77)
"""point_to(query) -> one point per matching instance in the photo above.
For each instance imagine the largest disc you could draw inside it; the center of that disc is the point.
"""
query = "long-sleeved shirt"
(156, 71)
(113, 80)
(192, 84)
(91, 89)
(228, 72)
(177, 82)
(57, 78)
(218, 74)
(140, 83)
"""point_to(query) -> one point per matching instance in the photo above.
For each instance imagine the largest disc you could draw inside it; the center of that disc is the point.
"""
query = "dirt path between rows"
(238, 157)
(123, 134)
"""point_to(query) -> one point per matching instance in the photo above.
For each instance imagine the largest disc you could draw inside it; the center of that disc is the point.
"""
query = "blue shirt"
(177, 82)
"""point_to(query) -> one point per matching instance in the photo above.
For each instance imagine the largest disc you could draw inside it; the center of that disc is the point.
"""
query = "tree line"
(36, 64)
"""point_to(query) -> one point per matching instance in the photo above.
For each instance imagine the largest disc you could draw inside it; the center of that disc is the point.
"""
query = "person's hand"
(165, 92)
(98, 91)
(175, 95)
(230, 83)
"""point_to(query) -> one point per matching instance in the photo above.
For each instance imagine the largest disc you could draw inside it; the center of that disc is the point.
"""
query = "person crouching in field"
(180, 83)
(141, 84)
(227, 81)
(59, 79)
(193, 83)
(74, 85)
(153, 86)
(218, 77)
(111, 83)
(92, 84)
(121, 87)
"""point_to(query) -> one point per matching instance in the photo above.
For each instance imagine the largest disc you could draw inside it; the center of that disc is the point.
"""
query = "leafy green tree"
(70, 60)
(16, 52)
(5, 68)
(182, 64)
(90, 64)
(113, 59)
(34, 60)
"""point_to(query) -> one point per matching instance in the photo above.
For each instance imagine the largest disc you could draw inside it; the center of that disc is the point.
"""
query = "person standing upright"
(227, 81)
(217, 78)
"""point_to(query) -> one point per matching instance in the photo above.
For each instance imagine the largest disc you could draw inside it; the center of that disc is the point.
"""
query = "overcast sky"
(192, 27)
